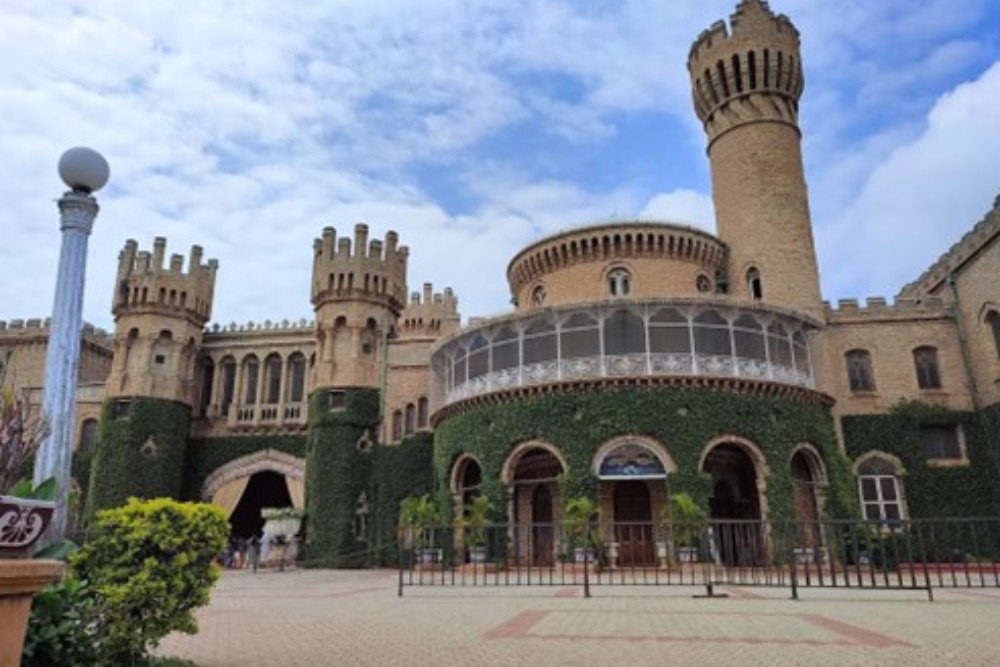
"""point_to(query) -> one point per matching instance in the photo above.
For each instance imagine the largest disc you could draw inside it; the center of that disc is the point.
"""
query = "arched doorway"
(808, 477)
(532, 472)
(633, 517)
(734, 504)
(632, 471)
(265, 489)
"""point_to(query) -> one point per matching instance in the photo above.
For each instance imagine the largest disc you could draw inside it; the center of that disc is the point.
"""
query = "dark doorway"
(804, 501)
(633, 523)
(734, 506)
(265, 489)
(542, 530)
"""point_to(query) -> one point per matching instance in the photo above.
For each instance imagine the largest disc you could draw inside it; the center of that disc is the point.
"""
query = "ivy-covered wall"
(398, 471)
(683, 421)
(337, 471)
(933, 491)
(140, 452)
(205, 455)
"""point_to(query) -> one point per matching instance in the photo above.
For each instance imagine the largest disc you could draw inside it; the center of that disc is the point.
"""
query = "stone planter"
(20, 579)
(22, 523)
(279, 546)
(662, 554)
(612, 554)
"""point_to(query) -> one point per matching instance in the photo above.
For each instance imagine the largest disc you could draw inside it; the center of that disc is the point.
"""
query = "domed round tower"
(746, 82)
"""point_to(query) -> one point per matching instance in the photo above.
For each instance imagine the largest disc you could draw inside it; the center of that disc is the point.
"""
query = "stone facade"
(619, 305)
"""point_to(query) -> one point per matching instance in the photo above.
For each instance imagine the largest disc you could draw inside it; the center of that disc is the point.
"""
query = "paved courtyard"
(324, 617)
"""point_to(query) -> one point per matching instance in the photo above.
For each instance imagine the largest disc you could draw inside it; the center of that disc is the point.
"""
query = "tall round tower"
(746, 83)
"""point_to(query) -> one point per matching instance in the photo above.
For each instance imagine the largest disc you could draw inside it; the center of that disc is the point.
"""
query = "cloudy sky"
(470, 126)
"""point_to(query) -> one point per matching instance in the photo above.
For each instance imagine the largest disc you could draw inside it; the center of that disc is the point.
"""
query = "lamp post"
(85, 171)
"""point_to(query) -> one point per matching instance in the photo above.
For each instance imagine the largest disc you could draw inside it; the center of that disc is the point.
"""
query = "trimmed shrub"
(62, 629)
(150, 563)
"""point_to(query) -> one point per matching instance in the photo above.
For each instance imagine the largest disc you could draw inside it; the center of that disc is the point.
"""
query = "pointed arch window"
(251, 368)
(754, 284)
(88, 436)
(859, 370)
(422, 412)
(228, 367)
(411, 413)
(397, 426)
(296, 377)
(272, 387)
(925, 359)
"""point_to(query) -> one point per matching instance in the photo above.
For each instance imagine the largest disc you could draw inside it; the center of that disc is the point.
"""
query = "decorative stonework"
(245, 466)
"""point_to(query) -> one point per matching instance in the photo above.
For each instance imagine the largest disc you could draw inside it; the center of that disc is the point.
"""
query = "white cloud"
(684, 206)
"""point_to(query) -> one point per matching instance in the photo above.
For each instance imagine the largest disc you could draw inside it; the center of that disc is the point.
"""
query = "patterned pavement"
(329, 617)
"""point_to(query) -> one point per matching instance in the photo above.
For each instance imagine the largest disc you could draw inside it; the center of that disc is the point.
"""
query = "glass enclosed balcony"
(613, 339)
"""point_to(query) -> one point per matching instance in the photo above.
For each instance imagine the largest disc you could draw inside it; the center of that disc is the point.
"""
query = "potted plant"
(417, 516)
(25, 512)
(687, 518)
(579, 514)
(476, 517)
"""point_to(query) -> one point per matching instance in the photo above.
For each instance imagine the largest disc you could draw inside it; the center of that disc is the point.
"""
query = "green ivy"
(206, 455)
(398, 471)
(683, 421)
(337, 471)
(139, 452)
(932, 491)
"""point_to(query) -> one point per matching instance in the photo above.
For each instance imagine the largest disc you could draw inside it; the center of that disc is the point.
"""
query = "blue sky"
(472, 128)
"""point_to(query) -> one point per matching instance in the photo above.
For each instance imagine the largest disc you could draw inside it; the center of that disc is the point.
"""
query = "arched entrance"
(632, 472)
(264, 489)
(734, 504)
(808, 477)
(532, 472)
(244, 486)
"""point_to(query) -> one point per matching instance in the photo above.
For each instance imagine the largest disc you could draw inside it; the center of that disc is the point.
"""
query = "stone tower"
(746, 82)
(358, 293)
(160, 312)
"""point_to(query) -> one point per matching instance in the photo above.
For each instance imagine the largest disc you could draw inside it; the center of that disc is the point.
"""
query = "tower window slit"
(791, 73)
(721, 69)
(752, 69)
(711, 86)
(781, 70)
(767, 68)
(737, 73)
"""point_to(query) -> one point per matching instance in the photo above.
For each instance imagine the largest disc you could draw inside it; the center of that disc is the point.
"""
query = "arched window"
(411, 413)
(993, 319)
(754, 284)
(538, 296)
(272, 386)
(926, 362)
(859, 370)
(88, 436)
(422, 412)
(879, 489)
(251, 367)
(397, 426)
(619, 282)
(228, 366)
(296, 378)
(206, 371)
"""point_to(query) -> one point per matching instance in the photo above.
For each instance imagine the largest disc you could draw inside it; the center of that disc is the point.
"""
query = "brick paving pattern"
(305, 618)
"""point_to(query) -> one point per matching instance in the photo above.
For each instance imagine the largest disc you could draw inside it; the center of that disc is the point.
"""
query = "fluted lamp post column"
(85, 171)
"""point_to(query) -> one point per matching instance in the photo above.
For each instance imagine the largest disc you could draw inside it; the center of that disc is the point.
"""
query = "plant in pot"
(578, 517)
(687, 518)
(417, 517)
(474, 522)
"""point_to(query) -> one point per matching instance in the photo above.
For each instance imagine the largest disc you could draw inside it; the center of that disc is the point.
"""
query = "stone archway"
(737, 503)
(531, 475)
(245, 485)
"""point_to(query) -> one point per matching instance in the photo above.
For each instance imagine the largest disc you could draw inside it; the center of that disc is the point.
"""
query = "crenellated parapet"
(38, 328)
(429, 314)
(373, 271)
(146, 286)
(749, 73)
(877, 309)
(975, 240)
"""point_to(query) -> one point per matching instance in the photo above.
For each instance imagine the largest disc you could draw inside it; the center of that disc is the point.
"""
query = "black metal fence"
(920, 554)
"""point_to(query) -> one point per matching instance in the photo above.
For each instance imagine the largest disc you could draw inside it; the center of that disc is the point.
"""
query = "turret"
(746, 82)
(160, 311)
(358, 292)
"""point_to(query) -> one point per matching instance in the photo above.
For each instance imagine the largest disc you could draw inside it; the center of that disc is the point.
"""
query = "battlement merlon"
(38, 328)
(877, 309)
(343, 269)
(751, 23)
(144, 282)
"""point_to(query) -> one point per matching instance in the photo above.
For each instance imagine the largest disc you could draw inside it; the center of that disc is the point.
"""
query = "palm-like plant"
(416, 515)
(476, 517)
(687, 516)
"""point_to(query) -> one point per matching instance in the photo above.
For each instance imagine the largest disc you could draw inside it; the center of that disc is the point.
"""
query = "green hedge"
(682, 420)
(398, 471)
(337, 471)
(140, 452)
(205, 455)
(933, 491)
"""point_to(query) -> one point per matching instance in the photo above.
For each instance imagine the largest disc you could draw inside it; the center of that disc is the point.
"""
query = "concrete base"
(19, 581)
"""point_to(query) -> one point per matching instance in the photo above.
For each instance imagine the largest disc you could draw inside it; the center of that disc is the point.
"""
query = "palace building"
(641, 359)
